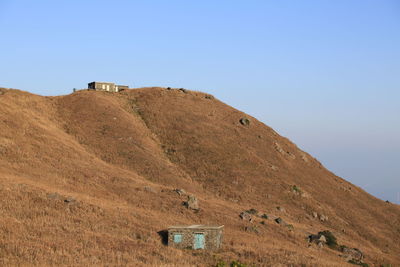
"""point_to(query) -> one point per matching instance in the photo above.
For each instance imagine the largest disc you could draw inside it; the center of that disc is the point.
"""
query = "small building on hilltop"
(105, 86)
(195, 237)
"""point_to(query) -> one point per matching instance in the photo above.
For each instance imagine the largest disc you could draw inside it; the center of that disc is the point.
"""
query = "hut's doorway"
(199, 241)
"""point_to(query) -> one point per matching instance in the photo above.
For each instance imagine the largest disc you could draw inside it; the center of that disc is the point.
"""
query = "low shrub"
(237, 264)
(290, 227)
(221, 264)
(296, 189)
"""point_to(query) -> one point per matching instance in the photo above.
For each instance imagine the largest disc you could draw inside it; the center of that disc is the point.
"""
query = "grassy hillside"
(88, 179)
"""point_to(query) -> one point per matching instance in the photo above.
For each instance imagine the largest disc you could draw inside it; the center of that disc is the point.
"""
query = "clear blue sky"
(326, 74)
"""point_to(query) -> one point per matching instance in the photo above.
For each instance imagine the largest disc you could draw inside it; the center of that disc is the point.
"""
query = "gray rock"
(253, 229)
(280, 221)
(180, 191)
(274, 168)
(150, 189)
(244, 121)
(322, 238)
(279, 148)
(246, 216)
(192, 203)
(272, 217)
(281, 209)
(323, 218)
(54, 196)
(70, 200)
(352, 254)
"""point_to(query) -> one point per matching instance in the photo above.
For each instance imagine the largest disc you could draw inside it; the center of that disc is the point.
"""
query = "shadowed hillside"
(89, 179)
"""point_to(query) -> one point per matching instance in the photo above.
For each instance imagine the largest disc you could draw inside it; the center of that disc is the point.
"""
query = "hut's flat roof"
(196, 226)
(102, 82)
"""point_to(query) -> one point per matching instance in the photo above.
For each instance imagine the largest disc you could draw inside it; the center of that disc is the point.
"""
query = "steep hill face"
(88, 179)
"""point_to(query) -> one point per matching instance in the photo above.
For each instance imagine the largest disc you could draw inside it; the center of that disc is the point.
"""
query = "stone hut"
(195, 237)
(105, 86)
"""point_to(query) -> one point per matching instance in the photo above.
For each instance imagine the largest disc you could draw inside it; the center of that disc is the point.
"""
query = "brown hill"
(88, 179)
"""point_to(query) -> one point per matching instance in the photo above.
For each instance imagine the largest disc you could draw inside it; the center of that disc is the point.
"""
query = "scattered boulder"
(183, 90)
(253, 229)
(192, 203)
(304, 195)
(290, 227)
(304, 157)
(211, 97)
(70, 200)
(283, 152)
(279, 148)
(280, 221)
(352, 254)
(323, 218)
(319, 240)
(149, 189)
(296, 190)
(291, 155)
(244, 121)
(274, 168)
(246, 216)
(315, 215)
(169, 88)
(281, 209)
(272, 217)
(170, 151)
(322, 238)
(330, 239)
(54, 196)
(180, 191)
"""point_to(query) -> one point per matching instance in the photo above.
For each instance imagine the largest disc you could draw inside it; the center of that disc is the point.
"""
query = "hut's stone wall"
(212, 237)
(109, 87)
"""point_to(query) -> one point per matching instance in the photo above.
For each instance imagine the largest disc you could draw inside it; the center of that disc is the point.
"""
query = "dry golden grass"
(103, 149)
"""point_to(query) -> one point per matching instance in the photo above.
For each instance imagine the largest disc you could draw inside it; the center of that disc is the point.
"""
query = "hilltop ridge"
(89, 178)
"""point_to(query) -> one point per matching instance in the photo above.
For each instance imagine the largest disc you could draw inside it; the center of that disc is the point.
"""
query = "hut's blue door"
(199, 241)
